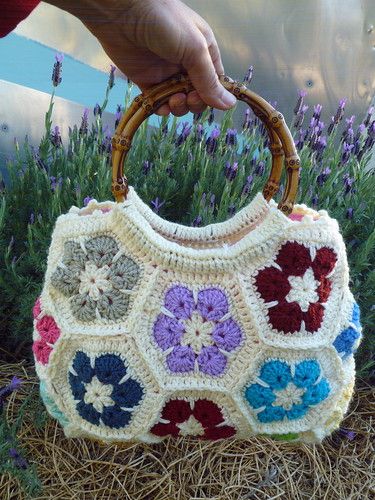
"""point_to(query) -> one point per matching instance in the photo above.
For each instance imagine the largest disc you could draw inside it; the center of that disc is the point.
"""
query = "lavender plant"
(191, 173)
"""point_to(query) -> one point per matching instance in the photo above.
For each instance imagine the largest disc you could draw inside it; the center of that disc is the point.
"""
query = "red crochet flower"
(298, 286)
(49, 333)
(202, 421)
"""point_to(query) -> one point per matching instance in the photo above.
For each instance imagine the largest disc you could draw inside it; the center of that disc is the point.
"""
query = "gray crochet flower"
(97, 283)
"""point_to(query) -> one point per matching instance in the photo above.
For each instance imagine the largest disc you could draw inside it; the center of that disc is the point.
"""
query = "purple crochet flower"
(196, 334)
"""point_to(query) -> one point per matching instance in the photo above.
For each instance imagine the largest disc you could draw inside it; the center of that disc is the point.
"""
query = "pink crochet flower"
(48, 329)
(41, 351)
(49, 333)
(37, 308)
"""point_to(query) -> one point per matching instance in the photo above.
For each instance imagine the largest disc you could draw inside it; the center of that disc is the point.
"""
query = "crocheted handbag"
(147, 328)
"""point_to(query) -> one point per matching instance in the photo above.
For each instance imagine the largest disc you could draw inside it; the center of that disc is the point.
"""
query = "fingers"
(180, 104)
(202, 66)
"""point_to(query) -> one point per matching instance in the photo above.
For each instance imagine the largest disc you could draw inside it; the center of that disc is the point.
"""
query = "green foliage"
(190, 187)
(12, 455)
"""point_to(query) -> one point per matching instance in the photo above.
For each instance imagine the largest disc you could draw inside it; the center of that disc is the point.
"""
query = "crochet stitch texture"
(146, 328)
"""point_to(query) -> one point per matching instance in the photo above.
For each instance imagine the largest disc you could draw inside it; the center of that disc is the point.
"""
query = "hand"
(150, 40)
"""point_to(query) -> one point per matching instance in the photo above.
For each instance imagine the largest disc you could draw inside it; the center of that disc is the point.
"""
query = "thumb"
(201, 70)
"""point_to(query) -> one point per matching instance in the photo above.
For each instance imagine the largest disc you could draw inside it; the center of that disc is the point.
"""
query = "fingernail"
(228, 99)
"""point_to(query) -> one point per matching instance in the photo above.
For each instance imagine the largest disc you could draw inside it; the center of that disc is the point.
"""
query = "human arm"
(150, 40)
(13, 12)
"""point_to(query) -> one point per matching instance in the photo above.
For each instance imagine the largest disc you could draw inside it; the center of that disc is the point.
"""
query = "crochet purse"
(147, 328)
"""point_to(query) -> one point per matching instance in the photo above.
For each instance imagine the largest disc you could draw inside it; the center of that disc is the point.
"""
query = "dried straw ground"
(341, 469)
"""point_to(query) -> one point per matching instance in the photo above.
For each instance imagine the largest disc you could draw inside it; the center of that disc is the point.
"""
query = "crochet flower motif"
(280, 395)
(196, 331)
(103, 390)
(296, 286)
(51, 405)
(97, 278)
(347, 341)
(202, 419)
(48, 331)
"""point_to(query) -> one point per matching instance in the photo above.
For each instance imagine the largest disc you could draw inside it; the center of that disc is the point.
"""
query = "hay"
(341, 469)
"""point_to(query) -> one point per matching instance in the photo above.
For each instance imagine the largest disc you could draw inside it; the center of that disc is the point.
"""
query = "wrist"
(93, 10)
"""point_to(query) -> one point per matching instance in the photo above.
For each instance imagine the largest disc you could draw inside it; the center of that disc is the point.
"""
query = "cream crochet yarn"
(146, 328)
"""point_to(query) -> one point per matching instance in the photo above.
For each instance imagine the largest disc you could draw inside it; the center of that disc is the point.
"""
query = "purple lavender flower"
(301, 95)
(314, 201)
(211, 142)
(230, 171)
(164, 129)
(349, 213)
(259, 170)
(360, 132)
(368, 118)
(97, 110)
(212, 202)
(118, 115)
(232, 209)
(248, 122)
(340, 111)
(197, 117)
(57, 69)
(106, 145)
(111, 80)
(157, 204)
(199, 132)
(55, 183)
(84, 123)
(146, 167)
(299, 142)
(323, 176)
(346, 151)
(41, 164)
(197, 221)
(247, 186)
(317, 112)
(18, 460)
(300, 116)
(211, 116)
(231, 137)
(348, 434)
(7, 390)
(350, 121)
(186, 129)
(87, 200)
(203, 199)
(246, 150)
(56, 137)
(249, 75)
(348, 182)
(32, 218)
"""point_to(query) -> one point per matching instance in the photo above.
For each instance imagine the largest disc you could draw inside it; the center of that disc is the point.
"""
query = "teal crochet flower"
(51, 405)
(280, 395)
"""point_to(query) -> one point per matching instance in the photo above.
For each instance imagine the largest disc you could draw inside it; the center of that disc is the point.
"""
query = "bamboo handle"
(281, 141)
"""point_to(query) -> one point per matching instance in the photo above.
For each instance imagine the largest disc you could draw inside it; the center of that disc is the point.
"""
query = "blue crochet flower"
(347, 341)
(280, 395)
(103, 390)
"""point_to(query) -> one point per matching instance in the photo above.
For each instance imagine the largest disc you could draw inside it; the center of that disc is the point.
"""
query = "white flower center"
(191, 427)
(94, 280)
(197, 332)
(98, 394)
(303, 289)
(289, 396)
